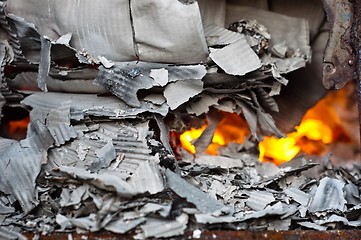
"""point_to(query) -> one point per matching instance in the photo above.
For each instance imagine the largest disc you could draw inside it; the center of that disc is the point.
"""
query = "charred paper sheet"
(84, 105)
(145, 84)
(126, 79)
(21, 163)
(125, 37)
(213, 191)
(237, 58)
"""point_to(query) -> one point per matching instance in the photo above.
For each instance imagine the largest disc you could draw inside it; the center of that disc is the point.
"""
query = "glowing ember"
(17, 129)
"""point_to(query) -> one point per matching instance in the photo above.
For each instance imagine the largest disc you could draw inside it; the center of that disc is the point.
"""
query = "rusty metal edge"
(340, 55)
(357, 45)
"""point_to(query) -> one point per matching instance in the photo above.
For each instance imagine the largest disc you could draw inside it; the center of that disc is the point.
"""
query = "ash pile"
(105, 90)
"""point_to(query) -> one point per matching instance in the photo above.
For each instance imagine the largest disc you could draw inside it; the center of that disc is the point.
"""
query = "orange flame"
(307, 137)
(319, 127)
(189, 136)
(232, 128)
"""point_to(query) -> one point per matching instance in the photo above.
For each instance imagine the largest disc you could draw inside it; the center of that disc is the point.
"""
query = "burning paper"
(93, 161)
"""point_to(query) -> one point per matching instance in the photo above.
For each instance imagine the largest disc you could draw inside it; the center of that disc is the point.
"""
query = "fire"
(307, 138)
(232, 128)
(188, 136)
(319, 127)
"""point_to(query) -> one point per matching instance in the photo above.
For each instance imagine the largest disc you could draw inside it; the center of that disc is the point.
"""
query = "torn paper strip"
(123, 226)
(125, 79)
(180, 92)
(258, 200)
(92, 105)
(109, 180)
(298, 195)
(160, 228)
(147, 178)
(160, 76)
(217, 35)
(237, 58)
(194, 195)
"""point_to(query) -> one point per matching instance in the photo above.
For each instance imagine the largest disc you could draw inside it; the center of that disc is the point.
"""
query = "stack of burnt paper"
(159, 53)
(97, 154)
